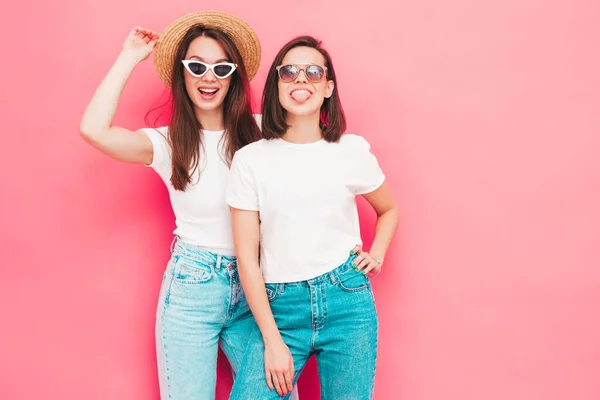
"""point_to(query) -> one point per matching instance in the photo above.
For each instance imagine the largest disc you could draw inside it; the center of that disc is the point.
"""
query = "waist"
(329, 275)
(200, 254)
(214, 236)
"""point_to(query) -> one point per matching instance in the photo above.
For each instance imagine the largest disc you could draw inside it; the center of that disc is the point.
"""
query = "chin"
(208, 106)
(306, 109)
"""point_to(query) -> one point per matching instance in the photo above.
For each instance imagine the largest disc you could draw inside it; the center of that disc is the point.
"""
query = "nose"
(301, 77)
(209, 76)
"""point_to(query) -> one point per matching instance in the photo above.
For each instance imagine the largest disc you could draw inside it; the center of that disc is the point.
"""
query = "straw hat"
(239, 31)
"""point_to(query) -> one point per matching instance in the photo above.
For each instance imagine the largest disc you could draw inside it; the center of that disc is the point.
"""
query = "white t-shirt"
(305, 195)
(201, 215)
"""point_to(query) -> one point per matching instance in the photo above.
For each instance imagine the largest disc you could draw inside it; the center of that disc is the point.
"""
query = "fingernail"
(354, 264)
(364, 272)
(351, 252)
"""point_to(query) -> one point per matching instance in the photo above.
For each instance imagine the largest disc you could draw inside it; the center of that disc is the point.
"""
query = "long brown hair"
(332, 120)
(184, 128)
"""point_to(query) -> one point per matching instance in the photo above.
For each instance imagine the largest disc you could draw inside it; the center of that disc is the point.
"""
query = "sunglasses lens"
(197, 68)
(288, 73)
(314, 73)
(222, 70)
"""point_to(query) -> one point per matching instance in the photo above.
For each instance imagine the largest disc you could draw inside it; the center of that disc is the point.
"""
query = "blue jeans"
(201, 306)
(333, 317)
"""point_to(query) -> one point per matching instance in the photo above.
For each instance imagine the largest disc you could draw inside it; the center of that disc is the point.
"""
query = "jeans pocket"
(189, 272)
(352, 281)
(273, 290)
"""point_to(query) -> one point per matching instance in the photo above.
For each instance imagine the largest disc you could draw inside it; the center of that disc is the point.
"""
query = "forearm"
(255, 292)
(385, 228)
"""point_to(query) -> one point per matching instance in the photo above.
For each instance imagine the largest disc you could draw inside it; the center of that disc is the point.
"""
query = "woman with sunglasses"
(201, 303)
(294, 193)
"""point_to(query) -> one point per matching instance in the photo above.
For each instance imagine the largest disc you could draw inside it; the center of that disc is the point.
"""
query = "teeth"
(301, 92)
(209, 91)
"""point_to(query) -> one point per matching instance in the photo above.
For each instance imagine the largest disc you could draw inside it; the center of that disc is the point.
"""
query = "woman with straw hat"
(207, 59)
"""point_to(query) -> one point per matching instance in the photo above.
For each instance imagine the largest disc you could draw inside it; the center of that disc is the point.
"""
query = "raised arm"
(96, 124)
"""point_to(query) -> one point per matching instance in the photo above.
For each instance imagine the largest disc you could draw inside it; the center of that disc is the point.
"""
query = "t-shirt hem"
(273, 278)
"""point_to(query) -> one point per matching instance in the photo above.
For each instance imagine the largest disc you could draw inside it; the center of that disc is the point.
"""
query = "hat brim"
(239, 31)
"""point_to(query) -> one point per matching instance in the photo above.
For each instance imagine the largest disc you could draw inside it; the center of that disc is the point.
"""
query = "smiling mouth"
(208, 94)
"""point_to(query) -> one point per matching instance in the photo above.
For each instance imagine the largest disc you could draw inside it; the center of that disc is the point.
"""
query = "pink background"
(484, 115)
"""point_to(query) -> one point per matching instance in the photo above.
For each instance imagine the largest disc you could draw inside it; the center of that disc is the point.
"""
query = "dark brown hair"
(184, 128)
(332, 121)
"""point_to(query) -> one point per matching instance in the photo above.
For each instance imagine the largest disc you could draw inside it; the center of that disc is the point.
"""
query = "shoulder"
(253, 149)
(354, 142)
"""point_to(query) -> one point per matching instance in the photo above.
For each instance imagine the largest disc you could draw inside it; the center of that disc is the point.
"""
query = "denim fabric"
(201, 307)
(332, 317)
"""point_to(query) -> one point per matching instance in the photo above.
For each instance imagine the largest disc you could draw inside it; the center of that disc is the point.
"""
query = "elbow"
(391, 215)
(396, 214)
(89, 133)
(86, 131)
(391, 212)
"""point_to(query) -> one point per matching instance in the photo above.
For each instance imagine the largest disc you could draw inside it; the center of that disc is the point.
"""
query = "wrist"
(377, 256)
(272, 338)
(128, 58)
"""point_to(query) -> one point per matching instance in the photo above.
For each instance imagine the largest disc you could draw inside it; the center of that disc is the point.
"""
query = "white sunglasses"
(198, 68)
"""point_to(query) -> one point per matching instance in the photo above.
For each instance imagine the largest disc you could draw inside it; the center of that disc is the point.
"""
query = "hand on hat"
(140, 42)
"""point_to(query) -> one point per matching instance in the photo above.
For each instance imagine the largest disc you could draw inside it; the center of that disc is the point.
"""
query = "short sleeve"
(161, 153)
(367, 176)
(241, 187)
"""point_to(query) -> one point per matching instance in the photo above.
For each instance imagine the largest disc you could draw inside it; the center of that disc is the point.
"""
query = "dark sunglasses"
(289, 72)
(198, 68)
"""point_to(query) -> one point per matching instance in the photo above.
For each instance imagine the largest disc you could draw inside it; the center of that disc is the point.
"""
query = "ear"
(329, 89)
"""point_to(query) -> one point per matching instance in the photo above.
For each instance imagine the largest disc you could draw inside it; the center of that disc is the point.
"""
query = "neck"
(303, 128)
(211, 120)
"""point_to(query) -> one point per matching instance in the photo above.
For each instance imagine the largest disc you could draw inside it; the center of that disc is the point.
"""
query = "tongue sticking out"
(300, 95)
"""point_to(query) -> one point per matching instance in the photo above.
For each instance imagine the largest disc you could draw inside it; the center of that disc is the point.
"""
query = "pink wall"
(485, 116)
